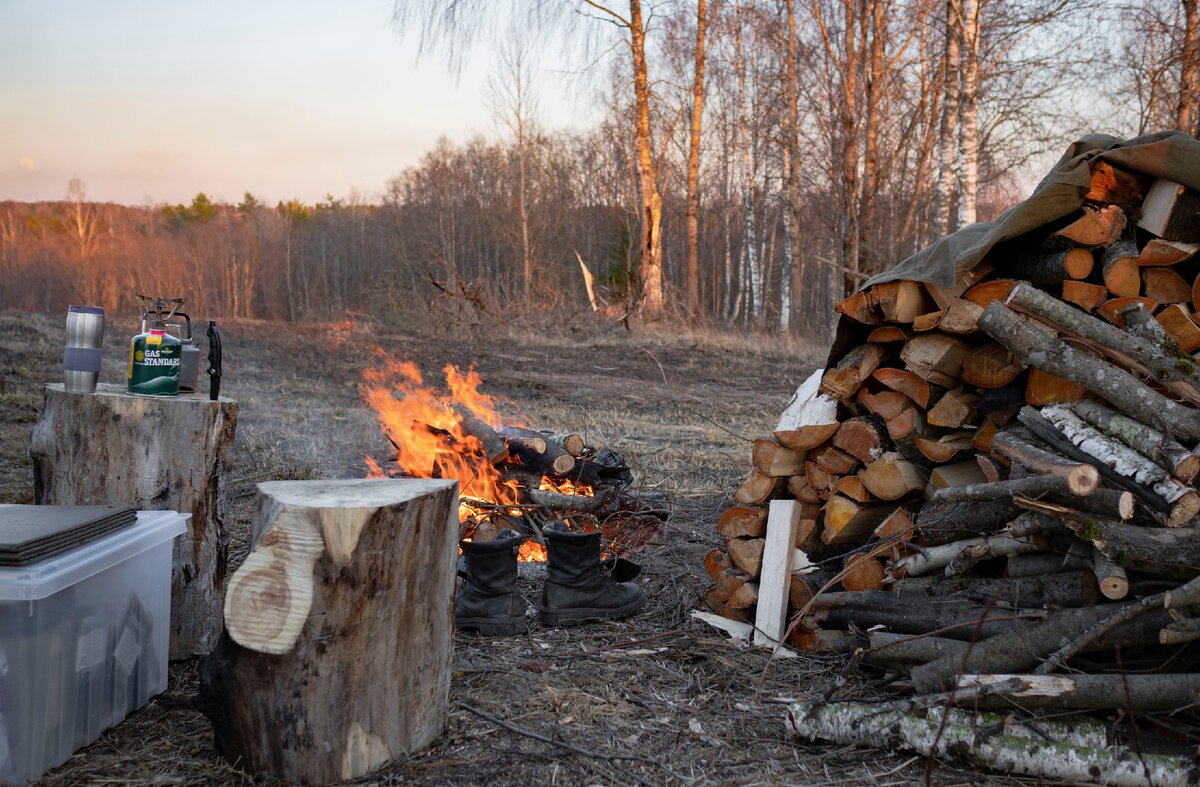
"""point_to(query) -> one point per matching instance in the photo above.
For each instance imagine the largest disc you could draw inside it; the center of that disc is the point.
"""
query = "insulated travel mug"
(81, 356)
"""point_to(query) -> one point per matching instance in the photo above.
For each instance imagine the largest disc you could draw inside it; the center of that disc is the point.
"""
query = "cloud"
(26, 163)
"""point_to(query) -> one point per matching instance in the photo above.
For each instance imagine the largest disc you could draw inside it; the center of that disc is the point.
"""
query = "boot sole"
(490, 627)
(571, 617)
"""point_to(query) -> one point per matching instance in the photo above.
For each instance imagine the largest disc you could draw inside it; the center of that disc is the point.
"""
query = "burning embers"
(509, 476)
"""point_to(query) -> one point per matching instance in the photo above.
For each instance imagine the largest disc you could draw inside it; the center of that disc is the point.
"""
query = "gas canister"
(154, 358)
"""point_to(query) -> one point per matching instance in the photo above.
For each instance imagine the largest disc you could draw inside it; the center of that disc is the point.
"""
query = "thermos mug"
(81, 356)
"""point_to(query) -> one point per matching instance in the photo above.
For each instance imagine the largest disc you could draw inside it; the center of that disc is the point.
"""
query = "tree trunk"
(970, 111)
(693, 165)
(650, 274)
(1187, 115)
(947, 147)
(152, 453)
(337, 654)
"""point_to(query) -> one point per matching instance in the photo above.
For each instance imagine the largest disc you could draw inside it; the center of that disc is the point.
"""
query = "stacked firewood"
(1000, 477)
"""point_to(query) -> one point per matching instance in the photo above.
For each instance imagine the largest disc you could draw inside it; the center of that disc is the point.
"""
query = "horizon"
(279, 100)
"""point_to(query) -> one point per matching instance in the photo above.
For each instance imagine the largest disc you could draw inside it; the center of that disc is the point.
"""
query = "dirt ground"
(656, 699)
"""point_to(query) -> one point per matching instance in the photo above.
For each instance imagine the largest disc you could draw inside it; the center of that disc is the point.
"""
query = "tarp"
(1166, 154)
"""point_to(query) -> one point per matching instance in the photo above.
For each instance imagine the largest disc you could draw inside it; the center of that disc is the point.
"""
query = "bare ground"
(657, 699)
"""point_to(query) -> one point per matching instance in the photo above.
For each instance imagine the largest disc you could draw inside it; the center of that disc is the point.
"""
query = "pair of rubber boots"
(579, 585)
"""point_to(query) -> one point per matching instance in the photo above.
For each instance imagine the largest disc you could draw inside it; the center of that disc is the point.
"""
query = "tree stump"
(155, 453)
(339, 629)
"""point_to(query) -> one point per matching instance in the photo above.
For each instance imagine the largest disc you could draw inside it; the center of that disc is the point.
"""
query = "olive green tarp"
(1166, 154)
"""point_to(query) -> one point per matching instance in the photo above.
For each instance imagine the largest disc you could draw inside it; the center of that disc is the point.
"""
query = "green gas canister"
(155, 356)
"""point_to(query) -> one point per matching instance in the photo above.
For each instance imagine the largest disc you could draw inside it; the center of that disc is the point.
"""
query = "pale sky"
(151, 101)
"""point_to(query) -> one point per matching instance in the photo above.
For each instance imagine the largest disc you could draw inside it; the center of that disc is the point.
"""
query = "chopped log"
(1117, 386)
(1051, 266)
(1170, 210)
(991, 467)
(806, 531)
(1158, 252)
(712, 600)
(820, 481)
(958, 474)
(962, 316)
(898, 525)
(559, 501)
(803, 587)
(862, 572)
(1056, 588)
(848, 522)
(1150, 443)
(906, 424)
(1171, 553)
(955, 618)
(746, 554)
(1187, 595)
(864, 438)
(775, 460)
(908, 383)
(1122, 275)
(770, 621)
(988, 291)
(1042, 388)
(810, 417)
(946, 448)
(757, 488)
(1144, 693)
(1164, 285)
(963, 280)
(984, 435)
(1111, 503)
(943, 523)
(936, 358)
(302, 687)
(1100, 227)
(1180, 631)
(111, 447)
(973, 741)
(729, 581)
(990, 366)
(1083, 294)
(494, 447)
(902, 300)
(860, 307)
(572, 443)
(1184, 502)
(1111, 578)
(1025, 648)
(936, 558)
(850, 486)
(928, 321)
(798, 486)
(1032, 486)
(1113, 184)
(833, 460)
(844, 379)
(1179, 325)
(1136, 353)
(890, 647)
(1033, 564)
(739, 521)
(716, 561)
(890, 477)
(954, 409)
(534, 451)
(885, 404)
(1078, 476)
(1113, 309)
(888, 334)
(744, 597)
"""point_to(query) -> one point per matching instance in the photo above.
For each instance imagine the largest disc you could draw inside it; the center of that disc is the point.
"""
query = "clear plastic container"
(83, 642)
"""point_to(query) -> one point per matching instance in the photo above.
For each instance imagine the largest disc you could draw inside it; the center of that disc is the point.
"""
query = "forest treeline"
(754, 160)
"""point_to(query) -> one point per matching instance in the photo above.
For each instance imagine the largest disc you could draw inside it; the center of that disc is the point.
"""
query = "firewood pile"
(996, 484)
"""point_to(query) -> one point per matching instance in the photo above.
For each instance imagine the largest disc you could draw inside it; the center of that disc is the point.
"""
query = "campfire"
(510, 475)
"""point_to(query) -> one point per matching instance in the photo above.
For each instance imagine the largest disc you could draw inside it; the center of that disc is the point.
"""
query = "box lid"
(39, 580)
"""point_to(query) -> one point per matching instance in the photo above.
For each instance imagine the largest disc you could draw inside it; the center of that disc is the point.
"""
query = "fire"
(426, 427)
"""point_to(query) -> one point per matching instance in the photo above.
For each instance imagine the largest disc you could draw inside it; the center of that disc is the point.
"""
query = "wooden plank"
(770, 620)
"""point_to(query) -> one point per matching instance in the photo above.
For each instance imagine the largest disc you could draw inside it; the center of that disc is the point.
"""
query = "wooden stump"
(339, 629)
(155, 453)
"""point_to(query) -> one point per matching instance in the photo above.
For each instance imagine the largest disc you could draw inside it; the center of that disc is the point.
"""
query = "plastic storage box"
(83, 642)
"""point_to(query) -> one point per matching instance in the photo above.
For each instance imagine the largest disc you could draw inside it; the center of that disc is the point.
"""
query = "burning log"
(533, 450)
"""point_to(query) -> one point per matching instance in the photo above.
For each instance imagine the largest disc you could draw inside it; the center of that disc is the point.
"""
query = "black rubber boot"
(488, 600)
(579, 587)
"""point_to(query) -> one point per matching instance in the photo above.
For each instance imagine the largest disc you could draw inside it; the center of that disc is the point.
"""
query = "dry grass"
(657, 699)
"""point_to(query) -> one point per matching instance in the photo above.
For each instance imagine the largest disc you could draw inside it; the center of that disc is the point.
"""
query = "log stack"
(1000, 477)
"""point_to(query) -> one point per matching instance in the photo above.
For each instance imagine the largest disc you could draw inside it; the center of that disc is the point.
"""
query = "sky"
(152, 101)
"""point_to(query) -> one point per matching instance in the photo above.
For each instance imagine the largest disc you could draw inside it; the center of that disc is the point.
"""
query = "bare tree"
(693, 163)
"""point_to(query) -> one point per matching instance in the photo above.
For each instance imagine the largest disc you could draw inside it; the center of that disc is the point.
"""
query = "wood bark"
(1079, 476)
(1033, 486)
(954, 618)
(940, 557)
(1050, 266)
(152, 453)
(1171, 553)
(693, 164)
(1081, 691)
(305, 686)
(1153, 445)
(650, 272)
